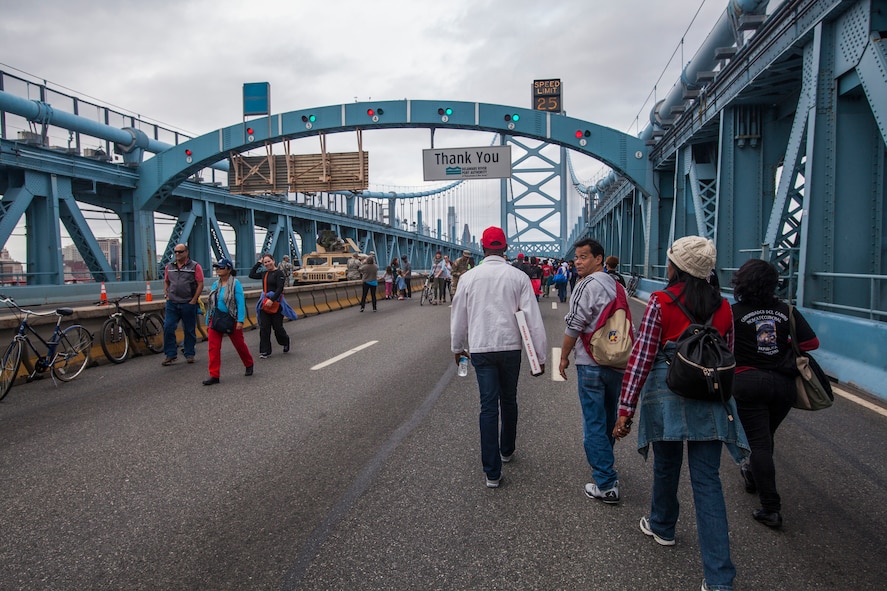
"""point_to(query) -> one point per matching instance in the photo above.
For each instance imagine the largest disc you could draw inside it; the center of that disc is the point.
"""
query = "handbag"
(814, 391)
(270, 306)
(222, 322)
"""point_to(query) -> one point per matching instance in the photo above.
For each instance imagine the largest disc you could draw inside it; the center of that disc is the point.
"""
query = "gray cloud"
(183, 63)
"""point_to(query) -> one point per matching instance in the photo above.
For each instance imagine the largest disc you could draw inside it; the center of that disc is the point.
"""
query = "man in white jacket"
(484, 327)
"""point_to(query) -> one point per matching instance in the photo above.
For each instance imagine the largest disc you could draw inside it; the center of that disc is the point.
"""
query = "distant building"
(11, 271)
(77, 271)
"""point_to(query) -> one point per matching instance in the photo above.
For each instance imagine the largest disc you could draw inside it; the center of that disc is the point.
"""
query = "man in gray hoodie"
(599, 386)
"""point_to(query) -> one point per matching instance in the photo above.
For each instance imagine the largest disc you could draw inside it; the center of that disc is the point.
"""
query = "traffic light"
(308, 118)
(580, 133)
(513, 117)
(375, 112)
(445, 111)
(188, 155)
(249, 131)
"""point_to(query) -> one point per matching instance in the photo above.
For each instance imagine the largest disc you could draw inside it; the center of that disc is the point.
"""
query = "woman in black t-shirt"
(764, 386)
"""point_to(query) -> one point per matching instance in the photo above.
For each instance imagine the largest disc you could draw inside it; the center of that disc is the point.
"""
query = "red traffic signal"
(249, 131)
(373, 112)
(187, 152)
(582, 133)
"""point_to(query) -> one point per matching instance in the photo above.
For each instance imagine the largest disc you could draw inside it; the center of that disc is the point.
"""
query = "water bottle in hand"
(463, 366)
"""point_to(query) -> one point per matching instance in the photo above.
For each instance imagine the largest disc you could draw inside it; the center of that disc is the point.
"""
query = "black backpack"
(703, 366)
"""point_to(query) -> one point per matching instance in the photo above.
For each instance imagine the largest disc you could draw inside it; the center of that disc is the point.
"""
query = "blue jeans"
(187, 313)
(599, 396)
(497, 374)
(704, 460)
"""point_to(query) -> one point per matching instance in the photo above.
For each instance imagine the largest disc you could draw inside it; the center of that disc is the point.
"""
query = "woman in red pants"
(226, 311)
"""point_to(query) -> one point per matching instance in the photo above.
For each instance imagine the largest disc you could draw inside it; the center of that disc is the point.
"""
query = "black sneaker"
(286, 348)
(210, 381)
(769, 518)
(249, 371)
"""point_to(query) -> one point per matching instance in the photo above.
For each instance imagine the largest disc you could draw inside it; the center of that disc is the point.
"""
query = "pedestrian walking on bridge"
(483, 327)
(182, 286)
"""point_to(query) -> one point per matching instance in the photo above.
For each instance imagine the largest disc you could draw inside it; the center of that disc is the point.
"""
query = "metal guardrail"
(873, 280)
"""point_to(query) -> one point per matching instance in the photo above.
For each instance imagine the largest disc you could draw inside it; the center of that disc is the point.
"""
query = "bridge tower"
(535, 198)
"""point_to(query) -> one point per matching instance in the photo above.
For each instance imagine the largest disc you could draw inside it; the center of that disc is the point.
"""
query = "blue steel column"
(45, 266)
(245, 247)
(741, 193)
(199, 241)
(818, 221)
(138, 245)
(658, 212)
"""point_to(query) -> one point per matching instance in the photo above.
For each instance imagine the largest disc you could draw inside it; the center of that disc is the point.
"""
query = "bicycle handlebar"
(11, 303)
(118, 300)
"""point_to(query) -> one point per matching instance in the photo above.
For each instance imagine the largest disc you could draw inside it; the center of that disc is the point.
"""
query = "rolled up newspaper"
(535, 366)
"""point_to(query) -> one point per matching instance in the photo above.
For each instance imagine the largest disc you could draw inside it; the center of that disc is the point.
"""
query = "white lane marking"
(556, 364)
(860, 401)
(343, 355)
(554, 305)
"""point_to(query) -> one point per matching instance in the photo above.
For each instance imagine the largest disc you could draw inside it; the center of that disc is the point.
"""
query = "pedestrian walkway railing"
(874, 311)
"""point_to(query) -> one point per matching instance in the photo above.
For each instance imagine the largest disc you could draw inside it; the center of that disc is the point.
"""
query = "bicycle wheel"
(72, 355)
(152, 332)
(12, 359)
(424, 297)
(114, 340)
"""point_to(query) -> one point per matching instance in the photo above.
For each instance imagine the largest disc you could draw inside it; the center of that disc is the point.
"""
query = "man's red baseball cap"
(493, 238)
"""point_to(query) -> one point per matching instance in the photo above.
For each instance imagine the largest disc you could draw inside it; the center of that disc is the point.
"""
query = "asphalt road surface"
(365, 474)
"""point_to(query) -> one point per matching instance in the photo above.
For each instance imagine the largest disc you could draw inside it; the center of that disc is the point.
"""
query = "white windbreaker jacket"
(482, 317)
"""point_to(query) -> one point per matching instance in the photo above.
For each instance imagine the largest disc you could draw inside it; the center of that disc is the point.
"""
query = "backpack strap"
(684, 309)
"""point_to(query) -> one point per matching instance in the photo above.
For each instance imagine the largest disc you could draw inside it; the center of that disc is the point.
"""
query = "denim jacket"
(665, 416)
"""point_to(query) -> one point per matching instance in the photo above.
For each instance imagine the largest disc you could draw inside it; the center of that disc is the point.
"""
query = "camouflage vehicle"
(326, 265)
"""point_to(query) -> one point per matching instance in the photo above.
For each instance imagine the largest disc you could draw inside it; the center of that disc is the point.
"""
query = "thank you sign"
(491, 162)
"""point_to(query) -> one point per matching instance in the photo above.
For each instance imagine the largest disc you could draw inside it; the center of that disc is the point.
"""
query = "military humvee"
(326, 265)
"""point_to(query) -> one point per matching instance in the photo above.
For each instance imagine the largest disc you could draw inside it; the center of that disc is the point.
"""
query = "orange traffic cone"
(104, 297)
(148, 296)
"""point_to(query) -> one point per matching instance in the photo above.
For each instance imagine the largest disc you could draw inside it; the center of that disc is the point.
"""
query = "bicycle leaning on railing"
(67, 351)
(125, 325)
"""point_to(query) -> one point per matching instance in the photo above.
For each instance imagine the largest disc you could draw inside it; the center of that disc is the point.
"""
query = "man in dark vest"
(182, 285)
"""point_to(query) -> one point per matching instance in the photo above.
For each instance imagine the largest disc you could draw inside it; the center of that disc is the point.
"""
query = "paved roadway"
(365, 474)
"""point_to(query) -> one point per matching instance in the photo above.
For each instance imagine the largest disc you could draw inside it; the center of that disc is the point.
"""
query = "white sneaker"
(506, 459)
(645, 527)
(610, 496)
(493, 483)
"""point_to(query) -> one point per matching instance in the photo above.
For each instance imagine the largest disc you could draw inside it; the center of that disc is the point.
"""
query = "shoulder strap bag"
(814, 392)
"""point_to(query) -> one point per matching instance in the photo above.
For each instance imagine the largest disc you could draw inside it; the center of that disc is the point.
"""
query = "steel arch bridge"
(159, 176)
(160, 180)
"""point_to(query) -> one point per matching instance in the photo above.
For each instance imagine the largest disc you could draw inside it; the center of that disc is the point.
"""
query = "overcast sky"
(183, 62)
